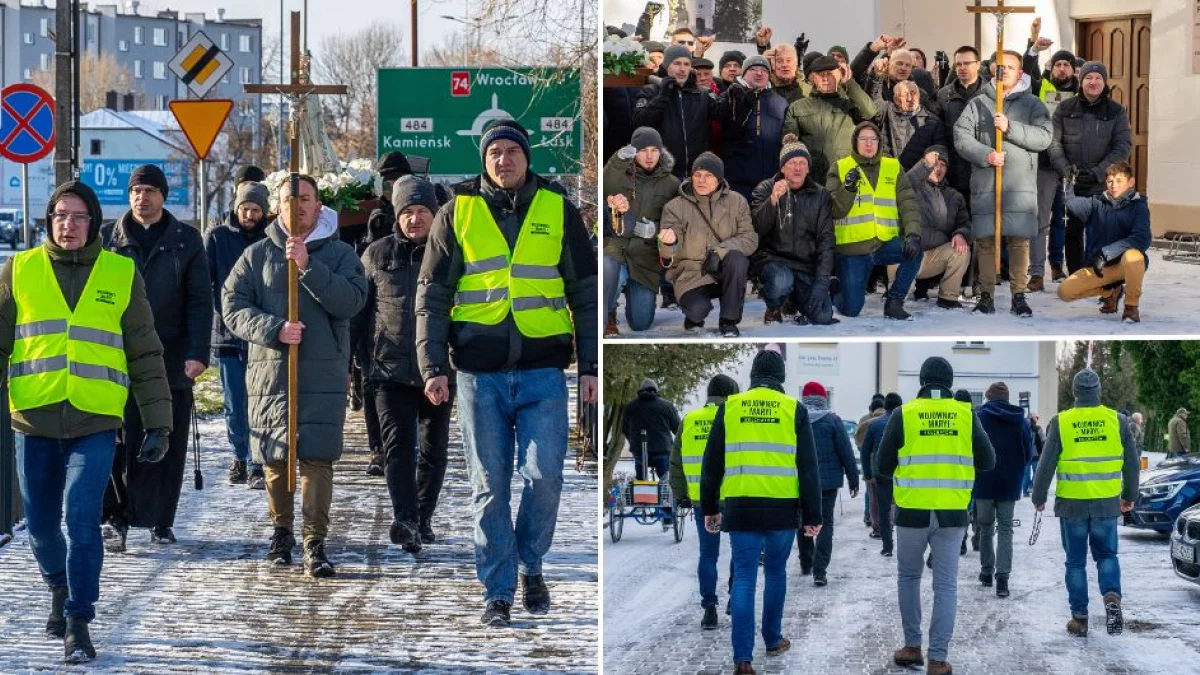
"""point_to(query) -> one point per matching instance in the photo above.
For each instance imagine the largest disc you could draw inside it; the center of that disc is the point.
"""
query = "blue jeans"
(853, 270)
(237, 410)
(1101, 535)
(639, 300)
(78, 468)
(706, 568)
(1027, 480)
(774, 545)
(779, 282)
(499, 412)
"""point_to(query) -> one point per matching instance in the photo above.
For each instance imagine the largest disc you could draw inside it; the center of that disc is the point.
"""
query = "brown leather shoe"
(1036, 284)
(938, 668)
(784, 645)
(908, 656)
(610, 328)
(1057, 274)
(773, 316)
(743, 668)
(1078, 626)
(1110, 301)
(1131, 314)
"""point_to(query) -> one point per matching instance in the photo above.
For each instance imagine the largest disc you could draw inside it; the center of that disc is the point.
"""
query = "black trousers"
(815, 555)
(731, 289)
(883, 492)
(371, 416)
(415, 435)
(1074, 245)
(147, 495)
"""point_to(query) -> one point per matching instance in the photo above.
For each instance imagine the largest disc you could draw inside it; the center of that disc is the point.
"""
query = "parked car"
(11, 226)
(1164, 493)
(1185, 540)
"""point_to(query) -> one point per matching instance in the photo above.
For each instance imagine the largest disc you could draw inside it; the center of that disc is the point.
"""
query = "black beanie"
(710, 163)
(937, 371)
(963, 396)
(249, 173)
(646, 137)
(505, 129)
(768, 365)
(149, 174)
(1062, 55)
(723, 386)
(876, 403)
(413, 190)
(730, 56)
(892, 401)
(393, 165)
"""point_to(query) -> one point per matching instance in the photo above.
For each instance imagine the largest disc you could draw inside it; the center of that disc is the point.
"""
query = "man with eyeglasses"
(170, 256)
(952, 100)
(76, 337)
(696, 45)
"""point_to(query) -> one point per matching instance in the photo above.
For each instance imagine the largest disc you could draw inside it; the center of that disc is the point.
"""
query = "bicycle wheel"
(681, 517)
(616, 520)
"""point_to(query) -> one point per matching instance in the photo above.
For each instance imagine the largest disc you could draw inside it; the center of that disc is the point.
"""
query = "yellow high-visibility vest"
(875, 214)
(1046, 89)
(936, 470)
(693, 436)
(525, 281)
(62, 355)
(1092, 455)
(760, 445)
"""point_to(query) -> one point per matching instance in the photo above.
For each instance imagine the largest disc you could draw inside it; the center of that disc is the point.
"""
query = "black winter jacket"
(223, 245)
(943, 210)
(656, 416)
(477, 348)
(682, 115)
(1091, 137)
(177, 285)
(952, 101)
(798, 231)
(753, 135)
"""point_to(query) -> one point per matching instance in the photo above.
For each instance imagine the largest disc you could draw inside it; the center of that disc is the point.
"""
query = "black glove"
(670, 86)
(712, 264)
(851, 182)
(685, 503)
(818, 299)
(154, 448)
(801, 45)
(1098, 264)
(912, 246)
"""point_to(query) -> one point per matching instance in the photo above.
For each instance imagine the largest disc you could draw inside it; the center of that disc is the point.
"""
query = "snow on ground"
(212, 603)
(1169, 306)
(652, 609)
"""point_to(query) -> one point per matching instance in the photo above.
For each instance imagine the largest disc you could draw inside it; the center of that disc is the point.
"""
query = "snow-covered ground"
(212, 603)
(1169, 306)
(652, 609)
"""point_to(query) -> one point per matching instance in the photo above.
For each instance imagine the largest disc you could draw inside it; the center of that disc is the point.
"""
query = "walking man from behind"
(835, 458)
(932, 448)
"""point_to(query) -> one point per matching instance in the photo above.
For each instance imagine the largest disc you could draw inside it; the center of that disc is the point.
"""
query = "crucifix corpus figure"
(297, 92)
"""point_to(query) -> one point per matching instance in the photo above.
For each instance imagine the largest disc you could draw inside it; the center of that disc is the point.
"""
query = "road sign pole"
(25, 205)
(203, 199)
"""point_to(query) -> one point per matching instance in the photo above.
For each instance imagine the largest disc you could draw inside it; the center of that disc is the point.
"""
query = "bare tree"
(97, 76)
(353, 59)
(460, 49)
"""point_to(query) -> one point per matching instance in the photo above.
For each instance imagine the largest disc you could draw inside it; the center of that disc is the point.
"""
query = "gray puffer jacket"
(1029, 132)
(332, 290)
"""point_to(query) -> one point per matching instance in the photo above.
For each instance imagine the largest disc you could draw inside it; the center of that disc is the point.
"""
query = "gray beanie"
(413, 190)
(646, 137)
(675, 52)
(1093, 67)
(756, 60)
(710, 163)
(1086, 387)
(255, 193)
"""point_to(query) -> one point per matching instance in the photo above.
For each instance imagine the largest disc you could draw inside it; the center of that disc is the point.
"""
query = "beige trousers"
(1085, 284)
(316, 496)
(942, 260)
(1018, 263)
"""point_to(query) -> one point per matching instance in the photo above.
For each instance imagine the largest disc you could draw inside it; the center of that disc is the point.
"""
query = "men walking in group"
(1090, 450)
(76, 335)
(651, 420)
(835, 459)
(997, 490)
(508, 292)
(169, 255)
(931, 449)
(686, 458)
(223, 245)
(759, 457)
(255, 302)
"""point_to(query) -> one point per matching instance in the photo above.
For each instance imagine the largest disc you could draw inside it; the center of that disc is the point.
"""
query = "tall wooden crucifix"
(296, 91)
(1001, 12)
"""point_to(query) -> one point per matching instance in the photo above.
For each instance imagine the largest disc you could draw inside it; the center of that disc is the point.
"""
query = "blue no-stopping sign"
(26, 123)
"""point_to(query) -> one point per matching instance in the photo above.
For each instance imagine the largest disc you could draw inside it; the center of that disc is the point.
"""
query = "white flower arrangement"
(357, 181)
(623, 56)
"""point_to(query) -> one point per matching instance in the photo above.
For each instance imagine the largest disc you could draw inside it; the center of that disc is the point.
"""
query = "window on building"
(245, 75)
(97, 147)
(224, 42)
(29, 38)
(160, 37)
(137, 68)
(44, 60)
(160, 70)
(225, 79)
(162, 102)
(27, 75)
(976, 399)
(123, 45)
(243, 43)
(89, 32)
(977, 344)
(137, 35)
(45, 27)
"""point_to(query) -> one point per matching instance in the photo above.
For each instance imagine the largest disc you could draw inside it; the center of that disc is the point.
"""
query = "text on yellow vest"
(1092, 454)
(936, 467)
(693, 436)
(760, 445)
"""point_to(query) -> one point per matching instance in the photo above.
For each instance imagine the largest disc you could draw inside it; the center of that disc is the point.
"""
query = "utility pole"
(64, 29)
(414, 33)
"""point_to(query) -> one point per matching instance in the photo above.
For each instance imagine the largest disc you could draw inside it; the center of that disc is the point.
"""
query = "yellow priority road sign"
(200, 64)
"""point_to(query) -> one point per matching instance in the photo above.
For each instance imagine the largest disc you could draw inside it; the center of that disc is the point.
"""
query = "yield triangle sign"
(201, 121)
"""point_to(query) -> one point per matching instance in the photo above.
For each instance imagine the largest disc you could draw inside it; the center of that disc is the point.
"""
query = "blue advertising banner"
(110, 179)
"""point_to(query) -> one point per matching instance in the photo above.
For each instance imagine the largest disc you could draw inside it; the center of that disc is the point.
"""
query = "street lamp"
(476, 25)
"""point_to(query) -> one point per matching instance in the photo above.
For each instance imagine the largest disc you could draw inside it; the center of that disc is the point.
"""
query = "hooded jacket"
(943, 210)
(835, 457)
(1029, 132)
(332, 290)
(843, 199)
(719, 222)
(1008, 429)
(1112, 226)
(752, 136)
(223, 245)
(682, 115)
(656, 416)
(148, 385)
(825, 123)
(798, 231)
(648, 192)
(178, 286)
(478, 348)
(952, 100)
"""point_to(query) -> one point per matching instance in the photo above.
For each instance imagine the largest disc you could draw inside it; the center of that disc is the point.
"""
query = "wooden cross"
(296, 91)
(1001, 12)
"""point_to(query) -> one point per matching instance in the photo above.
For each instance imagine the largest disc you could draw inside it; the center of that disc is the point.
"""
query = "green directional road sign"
(440, 113)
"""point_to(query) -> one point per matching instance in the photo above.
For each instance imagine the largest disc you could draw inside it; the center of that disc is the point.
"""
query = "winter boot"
(709, 622)
(948, 304)
(929, 560)
(162, 535)
(986, 303)
(789, 308)
(56, 625)
(536, 597)
(939, 668)
(117, 543)
(1020, 307)
(893, 308)
(1036, 284)
(1113, 620)
(744, 668)
(316, 564)
(237, 472)
(819, 579)
(405, 534)
(985, 579)
(77, 644)
(257, 480)
(610, 328)
(692, 326)
(784, 645)
(1131, 314)
(1057, 274)
(496, 614)
(773, 316)
(668, 302)
(375, 466)
(1001, 585)
(1078, 626)
(908, 656)
(887, 553)
(425, 528)
(729, 329)
(282, 543)
(921, 289)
